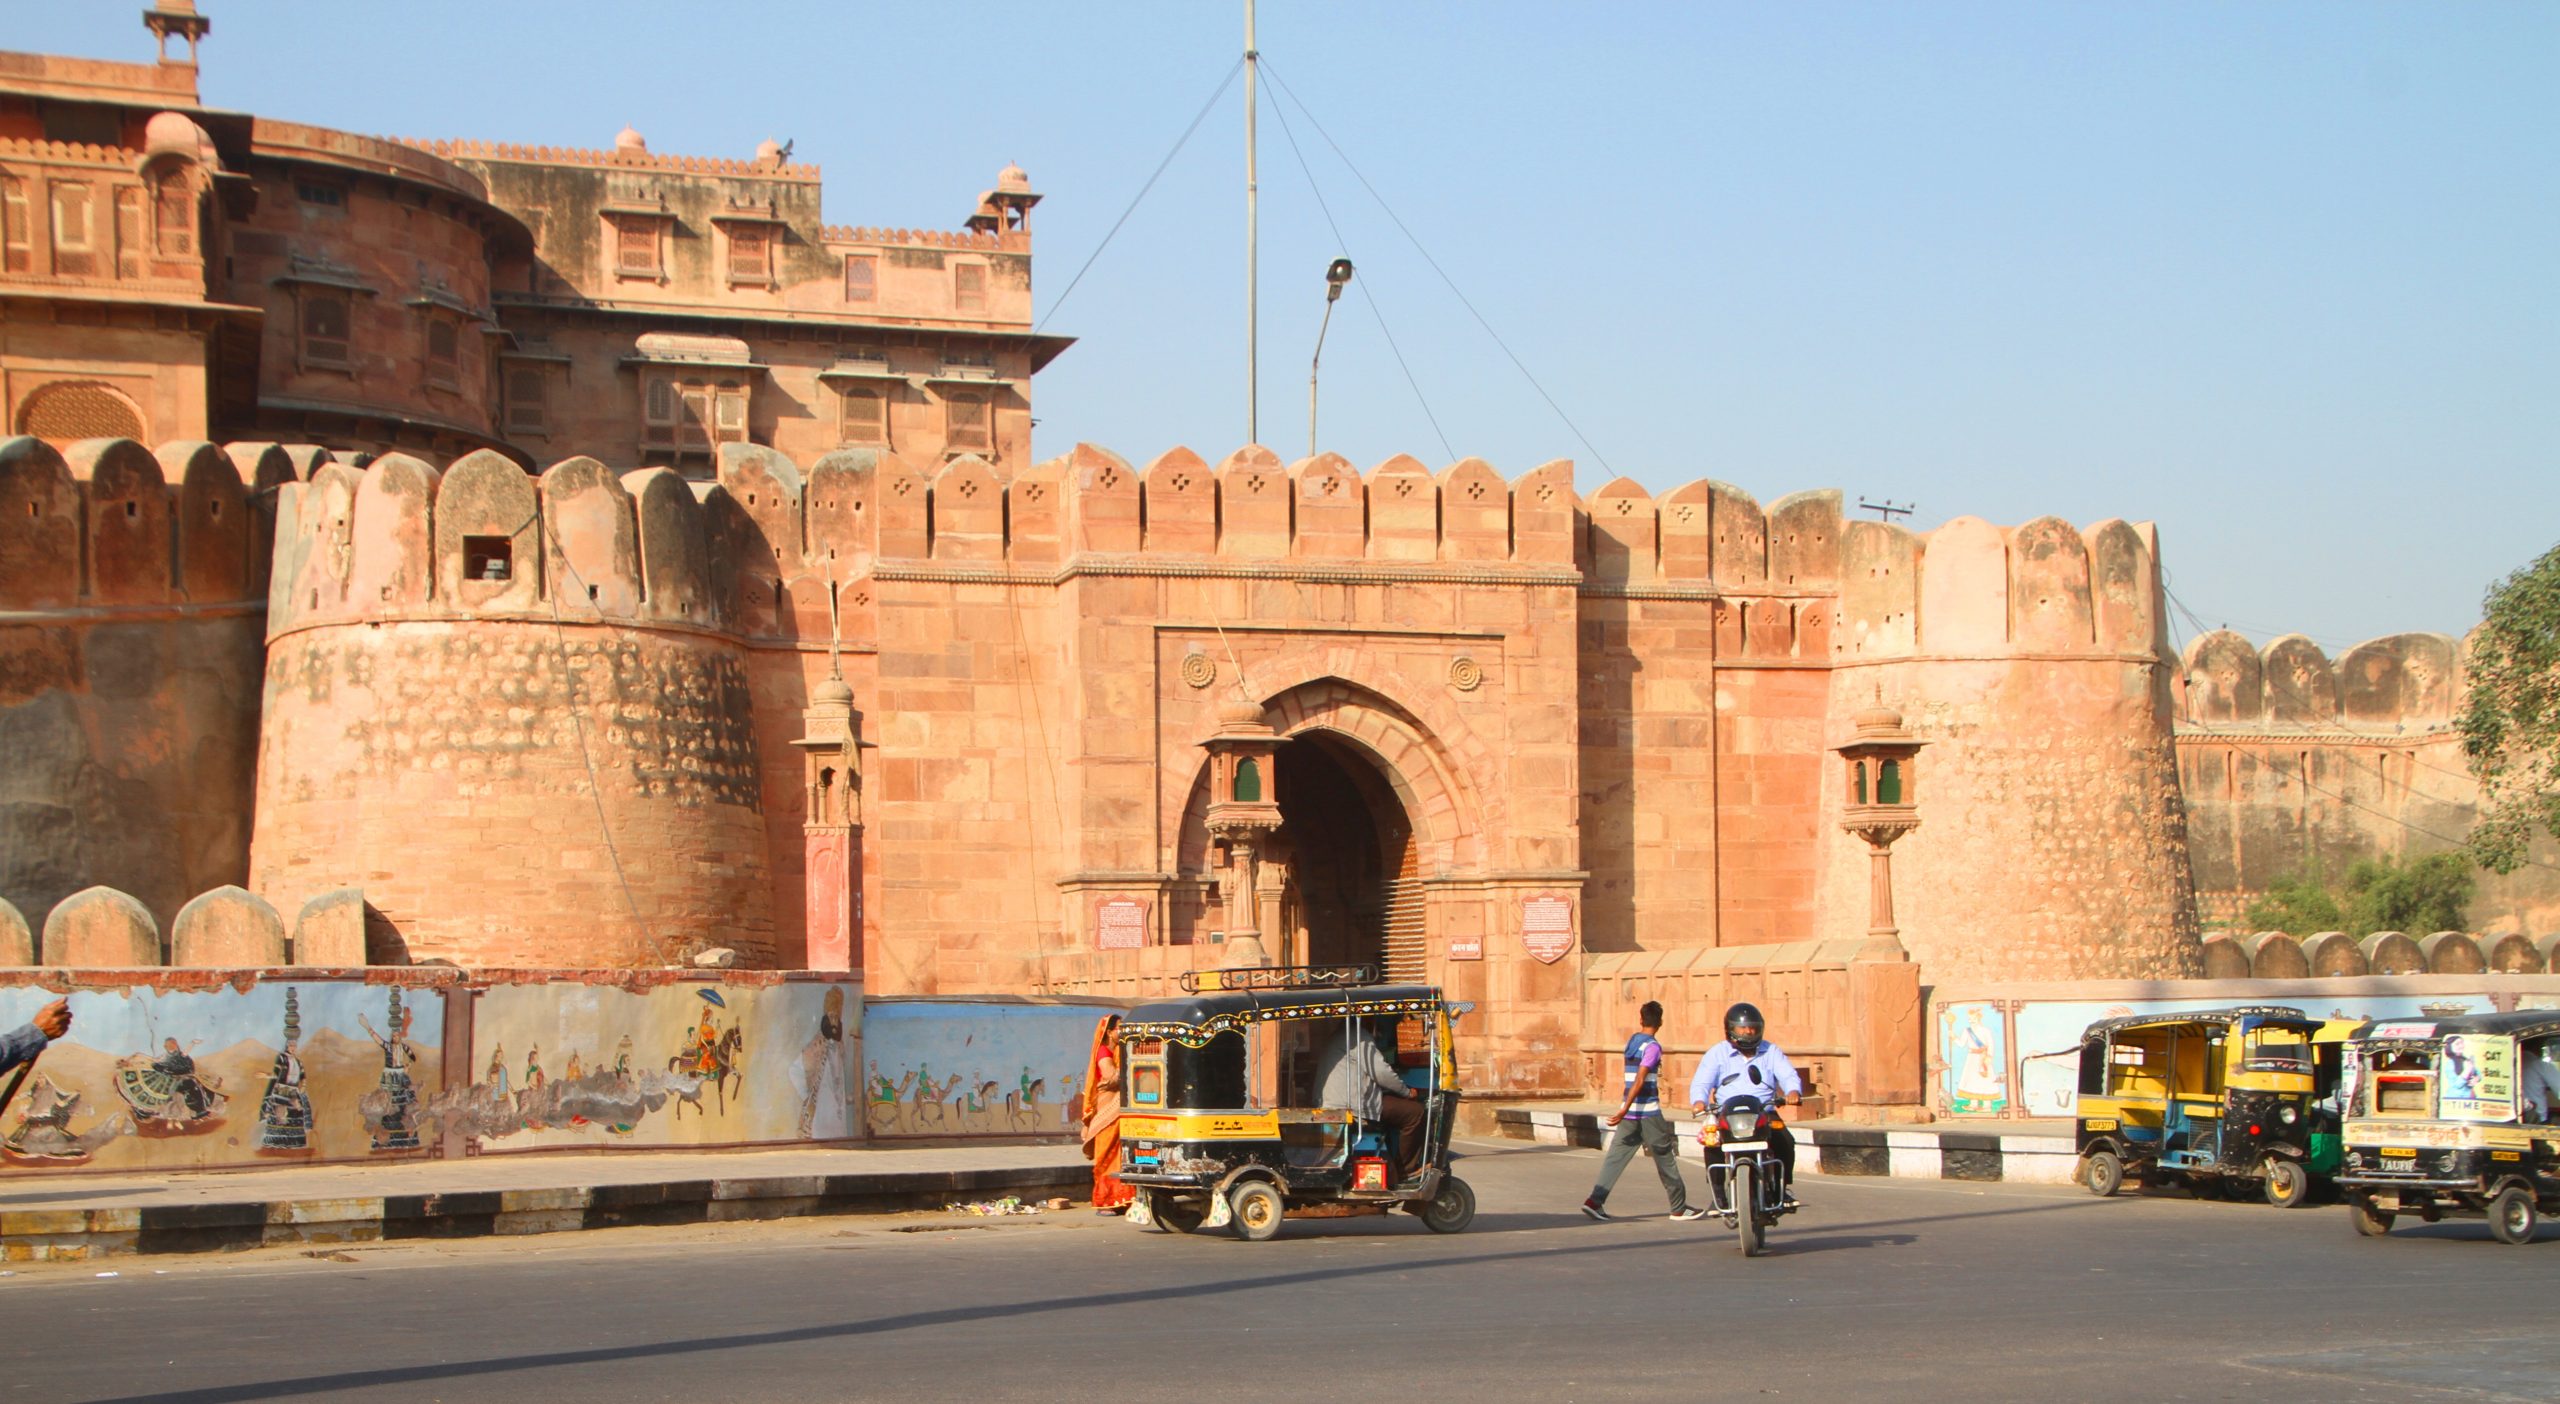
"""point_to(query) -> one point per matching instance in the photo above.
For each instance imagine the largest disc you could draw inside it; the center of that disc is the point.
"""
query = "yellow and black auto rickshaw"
(2215, 1099)
(2452, 1117)
(1221, 1124)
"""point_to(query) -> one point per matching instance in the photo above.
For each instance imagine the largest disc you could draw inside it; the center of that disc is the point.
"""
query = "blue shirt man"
(24, 1042)
(1639, 1122)
(1728, 1072)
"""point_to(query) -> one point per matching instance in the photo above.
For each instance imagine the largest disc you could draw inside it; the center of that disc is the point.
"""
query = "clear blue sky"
(2279, 277)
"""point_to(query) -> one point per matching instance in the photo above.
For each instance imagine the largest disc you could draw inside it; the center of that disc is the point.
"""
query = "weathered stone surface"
(2334, 953)
(2392, 953)
(330, 930)
(17, 942)
(101, 928)
(2273, 955)
(227, 928)
(2513, 953)
(2226, 957)
(2453, 953)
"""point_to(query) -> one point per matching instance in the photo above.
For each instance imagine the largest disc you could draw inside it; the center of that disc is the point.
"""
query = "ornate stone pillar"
(831, 764)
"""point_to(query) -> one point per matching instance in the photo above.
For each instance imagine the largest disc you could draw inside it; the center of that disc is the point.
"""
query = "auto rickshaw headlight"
(2288, 1116)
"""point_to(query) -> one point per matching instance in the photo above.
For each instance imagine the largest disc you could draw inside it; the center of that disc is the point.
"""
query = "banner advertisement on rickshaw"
(2476, 1077)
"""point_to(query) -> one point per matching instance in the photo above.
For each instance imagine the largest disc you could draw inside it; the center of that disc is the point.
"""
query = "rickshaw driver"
(1363, 1081)
(1726, 1072)
(2542, 1082)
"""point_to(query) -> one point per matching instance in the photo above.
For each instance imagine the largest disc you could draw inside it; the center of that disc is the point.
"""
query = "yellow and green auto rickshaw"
(1221, 1124)
(2452, 1117)
(2219, 1100)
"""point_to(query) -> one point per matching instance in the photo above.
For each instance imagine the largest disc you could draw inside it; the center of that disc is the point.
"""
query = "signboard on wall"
(1469, 947)
(1119, 924)
(1546, 925)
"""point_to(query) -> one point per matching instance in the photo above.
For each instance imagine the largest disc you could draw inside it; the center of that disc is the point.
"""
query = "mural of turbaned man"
(182, 1079)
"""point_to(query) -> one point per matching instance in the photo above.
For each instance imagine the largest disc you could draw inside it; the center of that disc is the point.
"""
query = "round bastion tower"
(515, 713)
(2052, 842)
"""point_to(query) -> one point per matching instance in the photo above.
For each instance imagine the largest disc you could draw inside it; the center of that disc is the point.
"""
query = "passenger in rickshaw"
(2542, 1081)
(1363, 1082)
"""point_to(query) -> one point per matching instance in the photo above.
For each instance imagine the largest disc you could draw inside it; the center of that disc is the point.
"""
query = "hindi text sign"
(1119, 924)
(1546, 925)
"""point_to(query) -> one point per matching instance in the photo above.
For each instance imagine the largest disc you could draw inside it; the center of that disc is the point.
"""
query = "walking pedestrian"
(1639, 1122)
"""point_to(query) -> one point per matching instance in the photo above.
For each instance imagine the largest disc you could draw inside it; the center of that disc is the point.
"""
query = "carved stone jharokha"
(1244, 810)
(1878, 764)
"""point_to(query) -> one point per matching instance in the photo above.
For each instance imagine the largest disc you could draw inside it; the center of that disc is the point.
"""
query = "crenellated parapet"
(1972, 589)
(109, 524)
(2399, 683)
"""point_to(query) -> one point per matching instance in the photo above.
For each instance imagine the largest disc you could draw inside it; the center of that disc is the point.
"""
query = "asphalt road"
(1916, 1290)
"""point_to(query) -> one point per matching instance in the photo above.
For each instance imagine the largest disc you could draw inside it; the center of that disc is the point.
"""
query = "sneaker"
(1689, 1215)
(1591, 1209)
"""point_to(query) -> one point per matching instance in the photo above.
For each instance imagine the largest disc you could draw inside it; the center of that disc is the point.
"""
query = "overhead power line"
(1178, 144)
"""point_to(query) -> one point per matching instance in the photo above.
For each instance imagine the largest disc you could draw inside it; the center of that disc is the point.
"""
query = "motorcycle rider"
(1726, 1072)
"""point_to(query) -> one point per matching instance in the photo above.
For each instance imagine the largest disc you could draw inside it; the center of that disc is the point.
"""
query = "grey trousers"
(1655, 1135)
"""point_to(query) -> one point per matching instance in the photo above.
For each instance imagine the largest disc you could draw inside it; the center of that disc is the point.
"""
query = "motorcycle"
(1750, 1165)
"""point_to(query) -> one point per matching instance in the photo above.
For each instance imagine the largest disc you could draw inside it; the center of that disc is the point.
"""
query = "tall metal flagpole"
(1252, 234)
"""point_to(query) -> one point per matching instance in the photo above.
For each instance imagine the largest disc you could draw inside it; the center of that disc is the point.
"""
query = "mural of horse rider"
(284, 1113)
(712, 1055)
(390, 1110)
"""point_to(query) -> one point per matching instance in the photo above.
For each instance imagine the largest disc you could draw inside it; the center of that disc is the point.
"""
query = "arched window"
(70, 410)
(1889, 783)
(1248, 782)
(1858, 794)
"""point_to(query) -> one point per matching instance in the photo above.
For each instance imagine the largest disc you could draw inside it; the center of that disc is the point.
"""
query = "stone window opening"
(174, 218)
(444, 353)
(969, 287)
(315, 193)
(861, 278)
(17, 232)
(865, 417)
(1248, 787)
(326, 341)
(750, 254)
(637, 247)
(1889, 783)
(74, 231)
(965, 424)
(1858, 792)
(68, 411)
(528, 401)
(489, 558)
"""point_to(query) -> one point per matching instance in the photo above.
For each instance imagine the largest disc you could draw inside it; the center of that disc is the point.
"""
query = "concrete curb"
(1914, 1153)
(37, 1235)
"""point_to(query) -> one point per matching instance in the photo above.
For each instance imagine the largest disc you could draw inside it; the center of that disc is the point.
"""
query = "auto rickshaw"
(2450, 1117)
(1220, 1122)
(2215, 1099)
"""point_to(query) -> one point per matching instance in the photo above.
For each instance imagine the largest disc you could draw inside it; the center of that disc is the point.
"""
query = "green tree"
(2511, 714)
(2417, 895)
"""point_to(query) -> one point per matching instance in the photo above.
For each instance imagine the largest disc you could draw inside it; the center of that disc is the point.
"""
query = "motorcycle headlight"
(1741, 1125)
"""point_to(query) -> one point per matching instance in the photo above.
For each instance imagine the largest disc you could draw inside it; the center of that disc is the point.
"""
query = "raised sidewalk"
(2026, 1152)
(77, 1217)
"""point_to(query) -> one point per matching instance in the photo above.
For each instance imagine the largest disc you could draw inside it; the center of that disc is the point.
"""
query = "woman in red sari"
(1102, 1119)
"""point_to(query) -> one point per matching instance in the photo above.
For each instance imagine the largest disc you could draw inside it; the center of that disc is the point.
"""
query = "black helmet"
(1744, 1016)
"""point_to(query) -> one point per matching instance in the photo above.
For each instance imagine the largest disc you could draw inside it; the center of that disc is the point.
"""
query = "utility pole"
(1252, 232)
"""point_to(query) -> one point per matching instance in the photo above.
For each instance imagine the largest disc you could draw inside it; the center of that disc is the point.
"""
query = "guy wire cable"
(1178, 144)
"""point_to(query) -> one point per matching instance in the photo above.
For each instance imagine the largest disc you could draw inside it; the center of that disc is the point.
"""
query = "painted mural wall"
(936, 1067)
(190, 1078)
(688, 1064)
(2016, 1053)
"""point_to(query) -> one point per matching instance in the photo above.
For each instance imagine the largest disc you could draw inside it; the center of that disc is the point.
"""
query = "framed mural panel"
(976, 1067)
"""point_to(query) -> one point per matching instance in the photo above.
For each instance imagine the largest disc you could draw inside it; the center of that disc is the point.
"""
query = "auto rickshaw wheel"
(1180, 1216)
(2513, 1216)
(2288, 1185)
(2103, 1173)
(2369, 1221)
(1257, 1209)
(1452, 1209)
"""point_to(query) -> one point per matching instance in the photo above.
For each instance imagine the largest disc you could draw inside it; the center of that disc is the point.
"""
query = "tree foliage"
(2511, 713)
(2378, 894)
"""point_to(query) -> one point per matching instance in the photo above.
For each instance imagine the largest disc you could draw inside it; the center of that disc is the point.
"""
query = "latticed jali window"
(861, 278)
(965, 424)
(969, 287)
(70, 410)
(635, 247)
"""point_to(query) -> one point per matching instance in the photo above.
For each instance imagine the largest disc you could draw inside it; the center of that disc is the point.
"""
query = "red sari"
(1102, 1117)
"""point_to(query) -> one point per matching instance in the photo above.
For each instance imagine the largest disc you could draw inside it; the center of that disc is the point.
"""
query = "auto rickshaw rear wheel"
(1257, 1210)
(1452, 1209)
(2103, 1173)
(2369, 1221)
(2288, 1185)
(2512, 1215)
(1180, 1215)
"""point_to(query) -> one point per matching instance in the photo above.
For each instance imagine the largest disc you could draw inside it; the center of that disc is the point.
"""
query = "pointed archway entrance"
(1352, 897)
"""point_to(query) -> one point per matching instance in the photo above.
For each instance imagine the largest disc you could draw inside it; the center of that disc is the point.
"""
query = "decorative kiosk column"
(1885, 1059)
(1244, 810)
(831, 763)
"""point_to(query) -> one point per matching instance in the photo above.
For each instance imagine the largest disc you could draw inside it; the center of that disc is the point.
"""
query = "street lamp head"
(1335, 276)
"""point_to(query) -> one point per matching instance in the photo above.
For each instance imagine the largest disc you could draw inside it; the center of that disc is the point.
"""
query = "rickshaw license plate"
(2399, 1159)
(1746, 1145)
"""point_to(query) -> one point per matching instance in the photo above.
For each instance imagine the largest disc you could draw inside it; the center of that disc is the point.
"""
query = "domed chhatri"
(629, 142)
(1013, 177)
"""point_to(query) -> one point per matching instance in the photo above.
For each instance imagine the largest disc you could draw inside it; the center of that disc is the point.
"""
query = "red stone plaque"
(1466, 948)
(1119, 924)
(1546, 925)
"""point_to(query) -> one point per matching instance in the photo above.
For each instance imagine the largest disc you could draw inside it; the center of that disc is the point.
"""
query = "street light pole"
(1336, 275)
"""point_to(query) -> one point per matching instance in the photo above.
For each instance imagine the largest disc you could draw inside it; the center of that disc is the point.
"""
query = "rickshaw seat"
(1370, 1141)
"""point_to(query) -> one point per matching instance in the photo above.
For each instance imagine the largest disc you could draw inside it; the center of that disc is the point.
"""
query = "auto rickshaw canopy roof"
(1193, 1020)
(2519, 1023)
(2252, 1015)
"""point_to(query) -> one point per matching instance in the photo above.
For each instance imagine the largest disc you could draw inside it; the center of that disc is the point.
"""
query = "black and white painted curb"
(1905, 1152)
(31, 1235)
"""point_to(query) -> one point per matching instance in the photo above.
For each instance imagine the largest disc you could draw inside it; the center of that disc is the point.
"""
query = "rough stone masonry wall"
(2289, 760)
(2052, 842)
(131, 604)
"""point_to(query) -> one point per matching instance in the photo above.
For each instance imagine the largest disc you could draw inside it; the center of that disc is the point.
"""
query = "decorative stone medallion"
(1197, 670)
(1465, 674)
